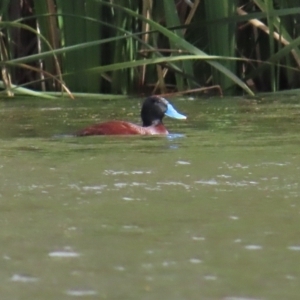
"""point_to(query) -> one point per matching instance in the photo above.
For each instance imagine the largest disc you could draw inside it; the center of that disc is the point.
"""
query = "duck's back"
(121, 128)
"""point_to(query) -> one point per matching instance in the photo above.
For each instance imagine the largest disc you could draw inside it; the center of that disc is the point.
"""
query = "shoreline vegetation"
(139, 47)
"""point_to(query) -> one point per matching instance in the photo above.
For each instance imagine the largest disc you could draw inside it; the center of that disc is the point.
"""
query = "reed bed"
(149, 46)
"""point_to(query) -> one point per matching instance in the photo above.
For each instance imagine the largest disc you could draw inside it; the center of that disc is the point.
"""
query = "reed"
(149, 46)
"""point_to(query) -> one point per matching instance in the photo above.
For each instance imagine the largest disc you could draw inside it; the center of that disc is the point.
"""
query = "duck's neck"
(147, 123)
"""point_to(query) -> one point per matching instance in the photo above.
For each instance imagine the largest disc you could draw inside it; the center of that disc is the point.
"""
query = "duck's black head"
(155, 108)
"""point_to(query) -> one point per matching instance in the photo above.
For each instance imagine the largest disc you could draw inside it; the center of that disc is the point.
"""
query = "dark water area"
(209, 212)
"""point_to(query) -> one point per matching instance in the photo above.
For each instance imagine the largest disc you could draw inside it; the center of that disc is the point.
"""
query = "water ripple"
(81, 292)
(67, 252)
(23, 278)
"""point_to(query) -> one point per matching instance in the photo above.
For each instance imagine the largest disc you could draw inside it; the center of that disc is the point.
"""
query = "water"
(209, 212)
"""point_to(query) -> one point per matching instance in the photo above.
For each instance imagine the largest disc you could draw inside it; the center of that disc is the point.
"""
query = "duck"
(153, 110)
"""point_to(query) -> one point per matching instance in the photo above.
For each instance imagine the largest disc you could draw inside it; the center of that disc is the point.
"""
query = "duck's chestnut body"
(123, 128)
(153, 110)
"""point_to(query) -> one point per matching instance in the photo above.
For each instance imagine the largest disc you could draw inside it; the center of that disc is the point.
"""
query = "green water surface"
(209, 212)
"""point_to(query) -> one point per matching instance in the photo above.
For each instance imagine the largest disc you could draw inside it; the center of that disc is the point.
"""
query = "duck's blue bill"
(172, 113)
